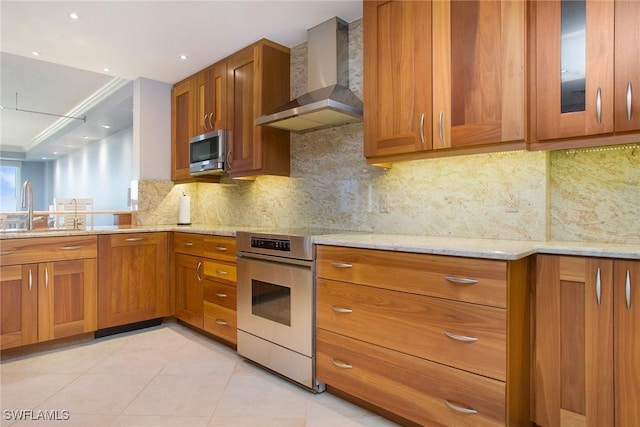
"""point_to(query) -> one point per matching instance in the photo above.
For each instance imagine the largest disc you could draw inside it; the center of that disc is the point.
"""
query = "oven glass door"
(276, 302)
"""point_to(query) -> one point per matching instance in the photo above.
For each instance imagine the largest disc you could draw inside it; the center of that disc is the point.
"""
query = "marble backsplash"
(577, 195)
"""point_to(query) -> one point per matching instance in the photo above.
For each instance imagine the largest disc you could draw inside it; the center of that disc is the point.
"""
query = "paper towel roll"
(184, 210)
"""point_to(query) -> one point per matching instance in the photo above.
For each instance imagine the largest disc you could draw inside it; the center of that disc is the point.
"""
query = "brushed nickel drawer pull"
(188, 244)
(7, 252)
(341, 309)
(70, 248)
(221, 248)
(440, 129)
(599, 105)
(459, 408)
(461, 280)
(30, 279)
(46, 277)
(221, 322)
(340, 364)
(221, 295)
(221, 272)
(627, 290)
(422, 129)
(341, 264)
(198, 267)
(629, 96)
(134, 239)
(460, 337)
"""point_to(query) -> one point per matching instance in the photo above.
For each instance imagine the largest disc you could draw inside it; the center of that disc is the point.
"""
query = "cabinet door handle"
(221, 322)
(221, 295)
(198, 267)
(459, 408)
(7, 252)
(229, 159)
(440, 129)
(460, 337)
(598, 286)
(599, 105)
(30, 279)
(627, 290)
(221, 272)
(221, 248)
(46, 277)
(341, 309)
(340, 364)
(341, 264)
(188, 244)
(70, 248)
(461, 280)
(134, 239)
(629, 98)
(422, 129)
(211, 115)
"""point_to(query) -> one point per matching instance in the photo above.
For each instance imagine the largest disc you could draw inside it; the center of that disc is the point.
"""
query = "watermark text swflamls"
(36, 415)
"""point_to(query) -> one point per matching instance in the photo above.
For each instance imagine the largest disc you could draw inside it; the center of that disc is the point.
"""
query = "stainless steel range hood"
(328, 102)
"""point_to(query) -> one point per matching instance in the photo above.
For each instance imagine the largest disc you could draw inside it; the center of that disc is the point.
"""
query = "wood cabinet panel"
(219, 270)
(189, 289)
(627, 64)
(411, 387)
(133, 278)
(220, 293)
(221, 321)
(220, 247)
(183, 106)
(418, 273)
(19, 305)
(188, 243)
(417, 325)
(211, 92)
(26, 251)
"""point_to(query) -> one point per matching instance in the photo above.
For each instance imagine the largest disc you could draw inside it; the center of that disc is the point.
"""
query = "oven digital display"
(271, 244)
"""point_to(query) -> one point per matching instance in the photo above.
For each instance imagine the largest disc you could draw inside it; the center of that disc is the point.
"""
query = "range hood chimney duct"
(328, 101)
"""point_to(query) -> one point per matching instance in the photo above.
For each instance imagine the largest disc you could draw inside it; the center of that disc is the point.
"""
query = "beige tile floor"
(162, 376)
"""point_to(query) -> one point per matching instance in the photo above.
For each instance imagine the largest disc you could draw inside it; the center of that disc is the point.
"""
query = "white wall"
(102, 171)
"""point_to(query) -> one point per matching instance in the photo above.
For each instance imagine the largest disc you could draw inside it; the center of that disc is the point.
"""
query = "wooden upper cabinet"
(627, 66)
(478, 72)
(257, 83)
(183, 125)
(211, 93)
(397, 77)
(574, 68)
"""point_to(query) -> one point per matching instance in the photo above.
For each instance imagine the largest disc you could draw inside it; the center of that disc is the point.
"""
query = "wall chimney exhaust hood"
(328, 102)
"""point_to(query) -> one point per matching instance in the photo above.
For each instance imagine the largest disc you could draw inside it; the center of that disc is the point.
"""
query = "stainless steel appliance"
(276, 303)
(207, 153)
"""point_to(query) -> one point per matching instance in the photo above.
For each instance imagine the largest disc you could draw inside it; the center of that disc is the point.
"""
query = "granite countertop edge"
(453, 246)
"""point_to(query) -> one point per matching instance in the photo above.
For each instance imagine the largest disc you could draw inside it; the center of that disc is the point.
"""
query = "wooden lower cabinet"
(586, 341)
(424, 392)
(133, 278)
(424, 336)
(189, 289)
(48, 289)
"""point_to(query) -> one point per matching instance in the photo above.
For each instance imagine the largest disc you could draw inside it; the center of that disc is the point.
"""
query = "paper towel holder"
(184, 210)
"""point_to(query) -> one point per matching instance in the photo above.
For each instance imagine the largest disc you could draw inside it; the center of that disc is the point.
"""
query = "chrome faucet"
(76, 223)
(27, 202)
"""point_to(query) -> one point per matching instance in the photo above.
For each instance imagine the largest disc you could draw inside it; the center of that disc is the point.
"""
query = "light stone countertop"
(454, 246)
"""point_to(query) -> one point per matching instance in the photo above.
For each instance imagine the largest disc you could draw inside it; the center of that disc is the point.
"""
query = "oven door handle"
(279, 260)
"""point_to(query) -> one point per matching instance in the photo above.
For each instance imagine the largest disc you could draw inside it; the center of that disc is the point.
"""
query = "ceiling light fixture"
(106, 69)
(85, 137)
(35, 53)
(106, 126)
(74, 16)
(183, 57)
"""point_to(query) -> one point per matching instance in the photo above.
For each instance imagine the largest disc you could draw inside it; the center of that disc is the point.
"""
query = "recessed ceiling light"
(85, 137)
(74, 15)
(55, 152)
(106, 69)
(35, 53)
(183, 57)
(44, 158)
(106, 126)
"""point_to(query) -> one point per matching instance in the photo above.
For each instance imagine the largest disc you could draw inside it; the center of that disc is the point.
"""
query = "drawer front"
(221, 322)
(45, 249)
(220, 247)
(220, 270)
(188, 243)
(220, 293)
(413, 388)
(466, 279)
(467, 336)
(134, 239)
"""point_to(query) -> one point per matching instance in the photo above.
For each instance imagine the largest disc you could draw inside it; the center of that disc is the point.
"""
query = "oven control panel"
(271, 244)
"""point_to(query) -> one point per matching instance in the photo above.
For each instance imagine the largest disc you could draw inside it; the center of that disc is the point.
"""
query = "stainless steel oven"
(276, 304)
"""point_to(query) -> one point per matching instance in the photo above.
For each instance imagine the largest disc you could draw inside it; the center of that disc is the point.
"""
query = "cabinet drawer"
(45, 249)
(411, 387)
(188, 243)
(220, 293)
(219, 270)
(134, 239)
(220, 321)
(467, 336)
(220, 247)
(466, 279)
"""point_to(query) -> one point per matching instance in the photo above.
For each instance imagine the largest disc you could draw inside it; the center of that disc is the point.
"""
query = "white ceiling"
(132, 39)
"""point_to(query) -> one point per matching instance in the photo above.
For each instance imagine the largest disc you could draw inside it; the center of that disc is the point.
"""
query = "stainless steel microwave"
(207, 153)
